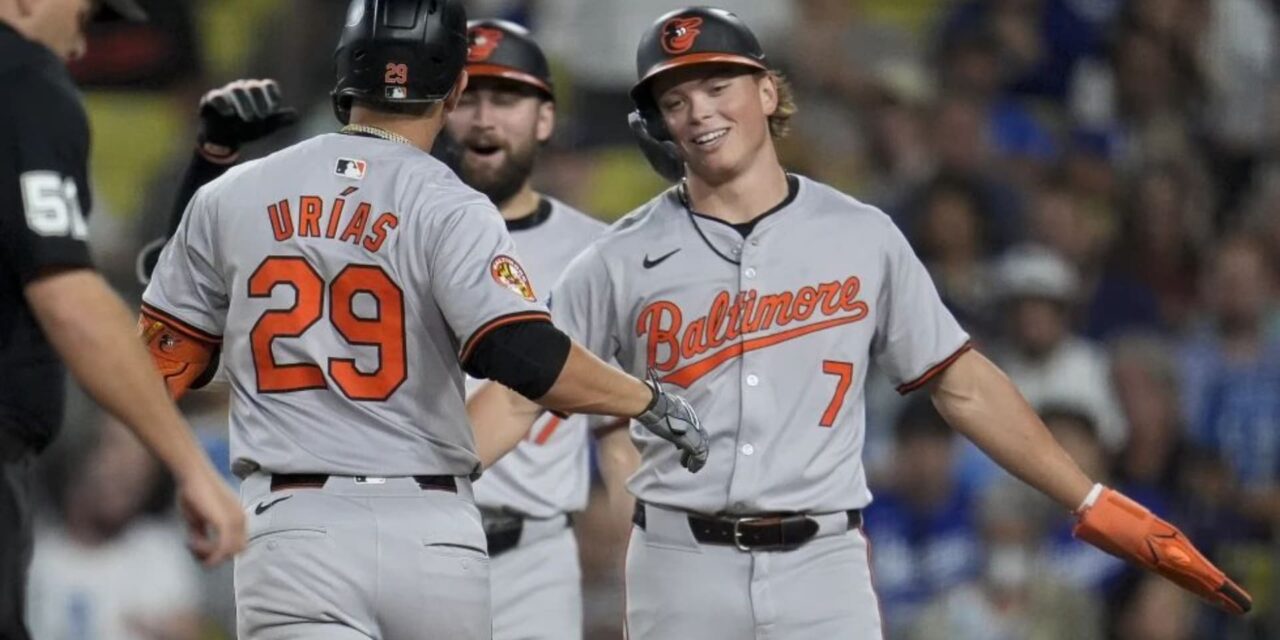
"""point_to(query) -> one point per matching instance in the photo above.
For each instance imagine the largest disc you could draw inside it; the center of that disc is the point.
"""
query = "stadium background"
(1092, 183)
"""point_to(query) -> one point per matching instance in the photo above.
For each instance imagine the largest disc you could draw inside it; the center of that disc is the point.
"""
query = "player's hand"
(241, 112)
(215, 519)
(671, 418)
(1127, 530)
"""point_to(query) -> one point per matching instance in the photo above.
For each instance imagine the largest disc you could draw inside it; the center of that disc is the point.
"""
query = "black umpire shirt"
(44, 147)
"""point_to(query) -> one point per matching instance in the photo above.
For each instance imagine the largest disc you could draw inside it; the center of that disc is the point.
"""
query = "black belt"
(503, 530)
(766, 532)
(280, 481)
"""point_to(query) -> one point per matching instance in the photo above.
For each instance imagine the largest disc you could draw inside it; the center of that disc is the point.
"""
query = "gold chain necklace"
(375, 132)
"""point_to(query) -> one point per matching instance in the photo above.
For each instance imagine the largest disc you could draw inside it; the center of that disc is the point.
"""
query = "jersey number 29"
(384, 331)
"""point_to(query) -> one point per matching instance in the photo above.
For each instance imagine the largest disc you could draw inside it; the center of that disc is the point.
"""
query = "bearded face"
(498, 126)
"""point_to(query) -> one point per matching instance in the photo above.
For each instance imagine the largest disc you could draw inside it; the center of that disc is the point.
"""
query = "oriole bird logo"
(678, 34)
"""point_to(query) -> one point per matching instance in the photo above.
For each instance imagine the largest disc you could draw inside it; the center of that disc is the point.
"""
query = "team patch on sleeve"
(508, 273)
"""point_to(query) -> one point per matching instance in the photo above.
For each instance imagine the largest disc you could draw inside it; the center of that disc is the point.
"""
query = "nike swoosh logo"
(262, 507)
(649, 264)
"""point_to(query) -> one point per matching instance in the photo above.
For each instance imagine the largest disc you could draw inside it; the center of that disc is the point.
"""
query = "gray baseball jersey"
(346, 277)
(547, 473)
(769, 337)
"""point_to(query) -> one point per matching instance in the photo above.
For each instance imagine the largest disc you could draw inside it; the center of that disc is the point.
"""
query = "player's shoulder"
(846, 211)
(566, 217)
(654, 218)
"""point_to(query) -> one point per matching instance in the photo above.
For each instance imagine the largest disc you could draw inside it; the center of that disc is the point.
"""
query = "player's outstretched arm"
(91, 330)
(978, 400)
(500, 419)
(542, 364)
(231, 116)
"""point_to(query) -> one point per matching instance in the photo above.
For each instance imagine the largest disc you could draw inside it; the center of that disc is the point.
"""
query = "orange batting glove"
(1123, 528)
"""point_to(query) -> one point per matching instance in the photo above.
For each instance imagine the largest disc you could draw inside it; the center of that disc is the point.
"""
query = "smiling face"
(499, 124)
(717, 115)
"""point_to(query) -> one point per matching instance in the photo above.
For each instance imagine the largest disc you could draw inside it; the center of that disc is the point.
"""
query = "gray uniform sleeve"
(186, 285)
(582, 307)
(916, 336)
(477, 278)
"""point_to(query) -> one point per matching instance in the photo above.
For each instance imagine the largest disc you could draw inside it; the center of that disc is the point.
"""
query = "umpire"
(52, 301)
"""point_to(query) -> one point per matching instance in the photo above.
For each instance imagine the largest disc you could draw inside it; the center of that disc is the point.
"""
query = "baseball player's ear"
(455, 94)
(768, 92)
(546, 124)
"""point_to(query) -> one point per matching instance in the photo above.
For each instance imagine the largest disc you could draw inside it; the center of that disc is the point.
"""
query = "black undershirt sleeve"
(200, 171)
(525, 356)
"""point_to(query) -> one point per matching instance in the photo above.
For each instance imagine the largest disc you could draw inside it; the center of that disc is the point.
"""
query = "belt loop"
(637, 516)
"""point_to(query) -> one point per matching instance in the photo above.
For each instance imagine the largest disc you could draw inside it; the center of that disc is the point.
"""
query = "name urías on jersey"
(728, 319)
(315, 219)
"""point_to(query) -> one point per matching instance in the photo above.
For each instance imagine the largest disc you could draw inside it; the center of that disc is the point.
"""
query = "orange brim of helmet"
(702, 58)
(499, 71)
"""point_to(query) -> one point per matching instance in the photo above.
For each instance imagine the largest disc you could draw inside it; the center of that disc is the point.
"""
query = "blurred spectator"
(109, 569)
(1040, 354)
(921, 525)
(1232, 374)
(1016, 597)
(1153, 460)
(1080, 565)
(1163, 216)
(1111, 300)
(1155, 609)
(860, 57)
(962, 148)
(951, 239)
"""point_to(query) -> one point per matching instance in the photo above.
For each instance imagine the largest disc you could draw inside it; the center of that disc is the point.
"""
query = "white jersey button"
(750, 272)
(747, 449)
(752, 380)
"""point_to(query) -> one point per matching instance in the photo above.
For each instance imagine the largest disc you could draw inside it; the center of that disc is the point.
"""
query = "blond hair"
(780, 121)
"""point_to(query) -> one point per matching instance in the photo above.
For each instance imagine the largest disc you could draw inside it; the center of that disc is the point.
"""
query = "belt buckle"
(737, 532)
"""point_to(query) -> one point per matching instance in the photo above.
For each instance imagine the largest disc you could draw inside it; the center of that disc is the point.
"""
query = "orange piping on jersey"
(924, 378)
(689, 374)
(179, 325)
(500, 321)
(548, 430)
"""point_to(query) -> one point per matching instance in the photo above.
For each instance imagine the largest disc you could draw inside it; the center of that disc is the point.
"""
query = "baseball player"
(348, 281)
(507, 111)
(764, 297)
(56, 311)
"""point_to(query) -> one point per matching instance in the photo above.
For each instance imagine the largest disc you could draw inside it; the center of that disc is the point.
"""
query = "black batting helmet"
(399, 52)
(113, 10)
(502, 49)
(696, 35)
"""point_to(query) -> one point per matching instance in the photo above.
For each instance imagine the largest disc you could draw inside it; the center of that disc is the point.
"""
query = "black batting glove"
(240, 112)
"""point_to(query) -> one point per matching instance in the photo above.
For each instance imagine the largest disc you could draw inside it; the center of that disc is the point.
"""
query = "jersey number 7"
(385, 331)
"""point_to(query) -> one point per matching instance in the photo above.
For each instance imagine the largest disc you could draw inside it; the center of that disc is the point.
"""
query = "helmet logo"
(678, 34)
(483, 41)
(397, 73)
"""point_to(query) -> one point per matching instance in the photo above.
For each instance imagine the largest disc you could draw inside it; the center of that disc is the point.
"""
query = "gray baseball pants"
(358, 559)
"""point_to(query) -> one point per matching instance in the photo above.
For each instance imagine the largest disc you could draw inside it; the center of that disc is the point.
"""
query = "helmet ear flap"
(654, 124)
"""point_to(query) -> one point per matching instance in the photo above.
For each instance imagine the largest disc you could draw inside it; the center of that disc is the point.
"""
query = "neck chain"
(375, 132)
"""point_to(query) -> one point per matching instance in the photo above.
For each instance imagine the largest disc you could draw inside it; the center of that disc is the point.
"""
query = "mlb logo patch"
(397, 93)
(351, 168)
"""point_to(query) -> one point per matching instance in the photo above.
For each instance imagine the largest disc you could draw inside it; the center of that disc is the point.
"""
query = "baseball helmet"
(399, 52)
(502, 49)
(112, 10)
(696, 35)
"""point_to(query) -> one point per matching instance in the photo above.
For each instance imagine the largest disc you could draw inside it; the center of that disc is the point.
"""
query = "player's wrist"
(217, 153)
